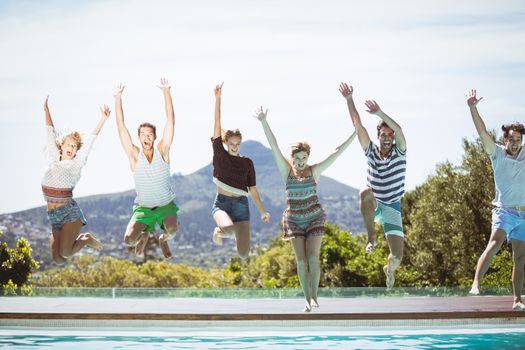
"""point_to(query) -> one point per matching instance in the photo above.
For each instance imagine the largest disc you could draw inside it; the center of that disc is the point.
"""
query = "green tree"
(448, 222)
(344, 263)
(107, 272)
(16, 265)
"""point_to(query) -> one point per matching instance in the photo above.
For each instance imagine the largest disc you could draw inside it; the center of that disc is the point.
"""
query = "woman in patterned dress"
(303, 219)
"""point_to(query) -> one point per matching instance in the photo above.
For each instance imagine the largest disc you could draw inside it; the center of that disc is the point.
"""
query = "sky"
(417, 59)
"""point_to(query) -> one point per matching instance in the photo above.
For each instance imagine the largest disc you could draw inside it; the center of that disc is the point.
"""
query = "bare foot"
(92, 242)
(164, 246)
(390, 279)
(141, 244)
(217, 236)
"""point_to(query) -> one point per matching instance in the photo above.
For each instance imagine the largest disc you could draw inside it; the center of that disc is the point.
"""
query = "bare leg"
(395, 243)
(242, 238)
(299, 247)
(518, 260)
(224, 227)
(313, 247)
(497, 237)
(71, 241)
(171, 224)
(54, 242)
(367, 204)
(134, 236)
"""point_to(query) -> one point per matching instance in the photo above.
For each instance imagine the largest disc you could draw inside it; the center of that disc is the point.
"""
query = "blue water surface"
(503, 340)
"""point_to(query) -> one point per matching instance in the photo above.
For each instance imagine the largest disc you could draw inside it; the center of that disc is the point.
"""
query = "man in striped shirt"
(380, 200)
(150, 165)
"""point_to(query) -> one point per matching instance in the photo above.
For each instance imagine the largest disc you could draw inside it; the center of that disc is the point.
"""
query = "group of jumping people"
(304, 217)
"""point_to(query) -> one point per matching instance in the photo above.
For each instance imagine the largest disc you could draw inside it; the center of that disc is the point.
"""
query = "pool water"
(487, 338)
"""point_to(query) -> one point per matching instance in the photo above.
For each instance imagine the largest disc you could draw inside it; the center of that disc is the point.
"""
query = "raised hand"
(261, 114)
(164, 85)
(118, 90)
(265, 217)
(346, 90)
(46, 107)
(218, 90)
(472, 100)
(372, 106)
(105, 111)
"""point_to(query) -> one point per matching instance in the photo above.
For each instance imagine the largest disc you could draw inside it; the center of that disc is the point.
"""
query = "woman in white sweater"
(67, 156)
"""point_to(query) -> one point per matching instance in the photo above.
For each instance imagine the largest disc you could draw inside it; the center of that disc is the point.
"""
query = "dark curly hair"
(512, 126)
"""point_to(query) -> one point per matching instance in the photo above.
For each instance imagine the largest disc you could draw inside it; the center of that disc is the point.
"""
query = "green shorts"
(389, 216)
(152, 216)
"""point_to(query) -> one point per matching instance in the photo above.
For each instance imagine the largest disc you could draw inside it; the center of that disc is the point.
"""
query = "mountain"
(109, 214)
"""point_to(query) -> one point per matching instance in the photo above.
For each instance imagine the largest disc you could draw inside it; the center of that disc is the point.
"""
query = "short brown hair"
(226, 134)
(300, 147)
(512, 126)
(147, 125)
(382, 124)
(75, 135)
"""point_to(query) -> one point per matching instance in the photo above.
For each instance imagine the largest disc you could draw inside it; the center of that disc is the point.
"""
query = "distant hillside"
(108, 214)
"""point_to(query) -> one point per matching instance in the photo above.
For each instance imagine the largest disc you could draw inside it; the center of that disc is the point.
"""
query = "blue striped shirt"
(386, 177)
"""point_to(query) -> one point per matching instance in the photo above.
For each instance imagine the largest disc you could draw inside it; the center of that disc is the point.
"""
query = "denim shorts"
(389, 216)
(67, 213)
(511, 221)
(236, 207)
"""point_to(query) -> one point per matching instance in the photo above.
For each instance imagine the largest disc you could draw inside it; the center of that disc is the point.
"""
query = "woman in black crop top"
(235, 179)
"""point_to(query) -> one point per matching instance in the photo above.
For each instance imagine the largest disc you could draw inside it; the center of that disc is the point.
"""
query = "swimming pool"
(245, 319)
(487, 336)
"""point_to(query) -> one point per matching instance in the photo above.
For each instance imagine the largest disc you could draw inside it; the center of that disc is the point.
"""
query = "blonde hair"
(299, 147)
(226, 134)
(75, 135)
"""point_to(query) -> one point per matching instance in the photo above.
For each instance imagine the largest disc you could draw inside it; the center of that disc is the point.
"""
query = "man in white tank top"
(150, 166)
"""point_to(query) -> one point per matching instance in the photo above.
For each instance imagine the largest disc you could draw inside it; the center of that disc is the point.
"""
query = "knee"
(171, 231)
(171, 225)
(518, 258)
(66, 253)
(366, 196)
(313, 260)
(301, 264)
(244, 253)
(396, 258)
(228, 229)
(58, 259)
(128, 240)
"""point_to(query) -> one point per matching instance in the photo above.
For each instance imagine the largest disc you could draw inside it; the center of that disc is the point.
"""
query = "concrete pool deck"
(232, 309)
